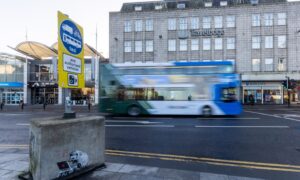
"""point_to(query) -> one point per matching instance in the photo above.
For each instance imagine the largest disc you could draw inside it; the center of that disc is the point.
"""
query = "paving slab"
(3, 172)
(210, 176)
(113, 167)
(101, 175)
(139, 170)
(139, 177)
(178, 174)
(15, 166)
(6, 157)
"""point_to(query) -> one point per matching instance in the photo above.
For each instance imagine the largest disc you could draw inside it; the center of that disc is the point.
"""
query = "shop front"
(43, 93)
(263, 92)
(11, 93)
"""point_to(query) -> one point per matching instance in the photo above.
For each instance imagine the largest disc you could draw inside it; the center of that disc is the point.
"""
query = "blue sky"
(39, 18)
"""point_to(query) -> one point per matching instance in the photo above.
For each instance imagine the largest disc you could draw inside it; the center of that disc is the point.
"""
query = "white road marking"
(231, 118)
(12, 114)
(145, 118)
(242, 126)
(158, 126)
(22, 124)
(139, 122)
(271, 115)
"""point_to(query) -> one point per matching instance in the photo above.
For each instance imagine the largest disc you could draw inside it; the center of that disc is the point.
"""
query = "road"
(261, 143)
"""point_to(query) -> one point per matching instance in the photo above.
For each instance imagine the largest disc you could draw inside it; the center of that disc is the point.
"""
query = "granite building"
(260, 36)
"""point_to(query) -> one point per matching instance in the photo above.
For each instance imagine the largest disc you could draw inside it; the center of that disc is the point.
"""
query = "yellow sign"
(70, 53)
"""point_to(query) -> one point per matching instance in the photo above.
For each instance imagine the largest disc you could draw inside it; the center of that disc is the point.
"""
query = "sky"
(39, 19)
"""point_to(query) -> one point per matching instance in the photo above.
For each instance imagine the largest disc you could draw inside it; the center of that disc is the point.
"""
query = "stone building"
(260, 36)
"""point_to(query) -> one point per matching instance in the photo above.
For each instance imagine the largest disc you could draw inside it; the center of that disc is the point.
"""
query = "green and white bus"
(179, 88)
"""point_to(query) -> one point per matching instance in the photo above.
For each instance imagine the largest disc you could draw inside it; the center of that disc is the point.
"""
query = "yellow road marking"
(207, 162)
(206, 159)
(171, 157)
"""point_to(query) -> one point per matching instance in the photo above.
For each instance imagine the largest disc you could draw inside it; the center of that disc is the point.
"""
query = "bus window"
(229, 94)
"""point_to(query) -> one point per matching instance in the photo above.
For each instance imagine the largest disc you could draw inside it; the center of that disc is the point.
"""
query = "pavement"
(12, 165)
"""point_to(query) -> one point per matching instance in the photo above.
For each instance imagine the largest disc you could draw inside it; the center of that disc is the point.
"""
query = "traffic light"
(292, 84)
(284, 84)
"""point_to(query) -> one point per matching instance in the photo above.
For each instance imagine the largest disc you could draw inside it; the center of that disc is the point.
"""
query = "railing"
(41, 76)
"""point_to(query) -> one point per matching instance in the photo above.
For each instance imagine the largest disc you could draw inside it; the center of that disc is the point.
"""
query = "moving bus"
(177, 88)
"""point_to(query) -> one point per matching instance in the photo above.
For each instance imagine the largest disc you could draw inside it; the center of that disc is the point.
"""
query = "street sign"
(70, 53)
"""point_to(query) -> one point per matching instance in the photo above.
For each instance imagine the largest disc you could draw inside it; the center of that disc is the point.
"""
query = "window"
(206, 44)
(268, 19)
(195, 44)
(158, 7)
(194, 23)
(229, 94)
(230, 21)
(172, 24)
(208, 4)
(180, 5)
(223, 3)
(127, 46)
(218, 44)
(281, 19)
(256, 42)
(138, 8)
(206, 22)
(182, 45)
(268, 64)
(149, 25)
(218, 21)
(281, 64)
(255, 64)
(127, 26)
(230, 43)
(268, 42)
(172, 45)
(138, 46)
(281, 41)
(255, 20)
(183, 23)
(149, 46)
(138, 25)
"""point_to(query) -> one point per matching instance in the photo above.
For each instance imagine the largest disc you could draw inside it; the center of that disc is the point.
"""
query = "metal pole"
(287, 85)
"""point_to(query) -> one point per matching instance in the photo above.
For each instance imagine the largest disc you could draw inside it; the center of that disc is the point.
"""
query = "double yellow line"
(180, 158)
(212, 161)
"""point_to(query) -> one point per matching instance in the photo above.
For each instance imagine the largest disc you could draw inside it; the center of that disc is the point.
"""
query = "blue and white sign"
(71, 37)
(11, 84)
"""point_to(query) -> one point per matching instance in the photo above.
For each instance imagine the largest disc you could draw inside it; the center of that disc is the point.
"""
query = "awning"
(35, 50)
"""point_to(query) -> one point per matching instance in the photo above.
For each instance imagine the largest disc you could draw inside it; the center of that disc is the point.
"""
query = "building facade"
(261, 37)
(33, 78)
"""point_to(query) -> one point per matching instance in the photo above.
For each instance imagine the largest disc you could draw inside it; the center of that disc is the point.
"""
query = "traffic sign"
(70, 53)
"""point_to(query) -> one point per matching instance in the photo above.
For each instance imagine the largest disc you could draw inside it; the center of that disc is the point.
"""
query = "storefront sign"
(208, 32)
(70, 53)
(42, 84)
(11, 84)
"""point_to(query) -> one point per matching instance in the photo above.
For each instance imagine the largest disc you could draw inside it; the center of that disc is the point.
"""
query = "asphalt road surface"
(262, 142)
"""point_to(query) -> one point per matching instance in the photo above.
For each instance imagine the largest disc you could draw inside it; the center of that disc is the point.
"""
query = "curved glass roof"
(41, 51)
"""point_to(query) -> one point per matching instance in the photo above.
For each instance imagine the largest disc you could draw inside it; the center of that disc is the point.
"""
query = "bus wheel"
(206, 111)
(134, 111)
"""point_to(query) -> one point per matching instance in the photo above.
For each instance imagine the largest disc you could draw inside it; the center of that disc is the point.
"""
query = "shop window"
(229, 94)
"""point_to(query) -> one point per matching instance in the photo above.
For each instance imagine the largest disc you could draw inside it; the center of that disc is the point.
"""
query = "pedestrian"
(251, 99)
(2, 105)
(22, 104)
(44, 105)
(89, 106)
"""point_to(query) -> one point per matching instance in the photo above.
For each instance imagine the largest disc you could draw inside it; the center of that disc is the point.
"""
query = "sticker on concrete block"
(77, 160)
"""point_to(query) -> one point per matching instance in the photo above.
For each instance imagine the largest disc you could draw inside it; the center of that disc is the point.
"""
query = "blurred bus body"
(178, 88)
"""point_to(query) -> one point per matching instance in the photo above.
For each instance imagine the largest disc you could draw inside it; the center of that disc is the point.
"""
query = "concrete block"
(60, 148)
